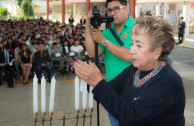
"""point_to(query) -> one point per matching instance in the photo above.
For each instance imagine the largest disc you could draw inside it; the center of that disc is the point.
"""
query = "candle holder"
(91, 110)
(77, 116)
(51, 118)
(65, 116)
(43, 118)
(70, 116)
(35, 118)
(84, 116)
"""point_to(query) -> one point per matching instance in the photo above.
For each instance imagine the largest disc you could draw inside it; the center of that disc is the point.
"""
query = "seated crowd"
(33, 45)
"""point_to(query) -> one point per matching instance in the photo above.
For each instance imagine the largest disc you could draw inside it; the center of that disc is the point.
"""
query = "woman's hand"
(88, 72)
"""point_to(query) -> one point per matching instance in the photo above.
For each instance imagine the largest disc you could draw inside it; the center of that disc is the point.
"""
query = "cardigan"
(159, 102)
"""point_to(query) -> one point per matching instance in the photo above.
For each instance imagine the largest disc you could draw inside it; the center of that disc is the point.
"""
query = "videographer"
(117, 57)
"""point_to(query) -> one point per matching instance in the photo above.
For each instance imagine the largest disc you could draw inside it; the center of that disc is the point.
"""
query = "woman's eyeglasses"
(116, 9)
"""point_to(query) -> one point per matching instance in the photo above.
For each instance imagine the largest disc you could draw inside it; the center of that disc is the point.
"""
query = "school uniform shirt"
(52, 53)
(66, 49)
(77, 48)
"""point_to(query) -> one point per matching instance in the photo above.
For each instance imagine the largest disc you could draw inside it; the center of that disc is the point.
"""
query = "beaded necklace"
(139, 82)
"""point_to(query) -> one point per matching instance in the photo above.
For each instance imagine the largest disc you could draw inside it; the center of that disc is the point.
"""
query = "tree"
(25, 7)
(19, 3)
(3, 13)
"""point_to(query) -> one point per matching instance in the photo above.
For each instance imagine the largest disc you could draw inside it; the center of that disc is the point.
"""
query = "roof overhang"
(77, 1)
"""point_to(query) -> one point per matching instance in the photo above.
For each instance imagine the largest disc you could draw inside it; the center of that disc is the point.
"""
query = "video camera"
(97, 20)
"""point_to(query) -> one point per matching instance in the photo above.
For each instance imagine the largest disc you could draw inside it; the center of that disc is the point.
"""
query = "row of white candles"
(82, 87)
(43, 94)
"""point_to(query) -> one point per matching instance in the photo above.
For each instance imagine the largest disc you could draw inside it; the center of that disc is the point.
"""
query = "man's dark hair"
(35, 43)
(54, 43)
(41, 43)
(76, 40)
(123, 2)
(182, 17)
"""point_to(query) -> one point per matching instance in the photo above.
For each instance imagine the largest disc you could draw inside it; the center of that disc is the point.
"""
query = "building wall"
(172, 11)
(76, 10)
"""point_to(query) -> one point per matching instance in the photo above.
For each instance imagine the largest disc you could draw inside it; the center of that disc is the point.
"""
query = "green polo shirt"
(113, 64)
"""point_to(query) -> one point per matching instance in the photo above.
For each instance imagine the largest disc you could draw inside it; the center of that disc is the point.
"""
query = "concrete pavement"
(187, 75)
(189, 41)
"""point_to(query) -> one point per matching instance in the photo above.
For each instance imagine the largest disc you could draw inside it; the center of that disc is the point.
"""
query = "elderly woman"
(148, 93)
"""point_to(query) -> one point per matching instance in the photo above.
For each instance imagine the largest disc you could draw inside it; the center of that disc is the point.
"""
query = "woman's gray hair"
(158, 30)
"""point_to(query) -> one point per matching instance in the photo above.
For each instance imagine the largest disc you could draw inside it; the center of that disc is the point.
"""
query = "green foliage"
(3, 13)
(19, 3)
(27, 9)
(15, 17)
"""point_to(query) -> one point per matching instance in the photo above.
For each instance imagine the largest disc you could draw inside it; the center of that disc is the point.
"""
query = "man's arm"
(119, 51)
(183, 25)
(89, 42)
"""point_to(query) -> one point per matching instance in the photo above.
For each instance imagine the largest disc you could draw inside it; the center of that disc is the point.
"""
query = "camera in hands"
(97, 19)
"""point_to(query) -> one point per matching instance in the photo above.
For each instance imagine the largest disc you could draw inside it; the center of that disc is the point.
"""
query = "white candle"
(76, 93)
(90, 98)
(52, 94)
(43, 94)
(35, 94)
(84, 95)
(81, 86)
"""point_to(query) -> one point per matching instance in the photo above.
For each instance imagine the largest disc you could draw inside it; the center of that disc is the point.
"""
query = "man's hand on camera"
(88, 18)
(97, 36)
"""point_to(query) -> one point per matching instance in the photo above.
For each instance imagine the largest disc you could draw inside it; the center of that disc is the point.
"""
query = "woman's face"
(141, 55)
(24, 47)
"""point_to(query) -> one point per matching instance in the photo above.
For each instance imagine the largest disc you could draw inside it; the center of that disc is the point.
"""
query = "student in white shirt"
(66, 51)
(56, 56)
(77, 49)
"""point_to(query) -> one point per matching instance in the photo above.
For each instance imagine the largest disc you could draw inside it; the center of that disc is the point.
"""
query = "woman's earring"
(154, 62)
